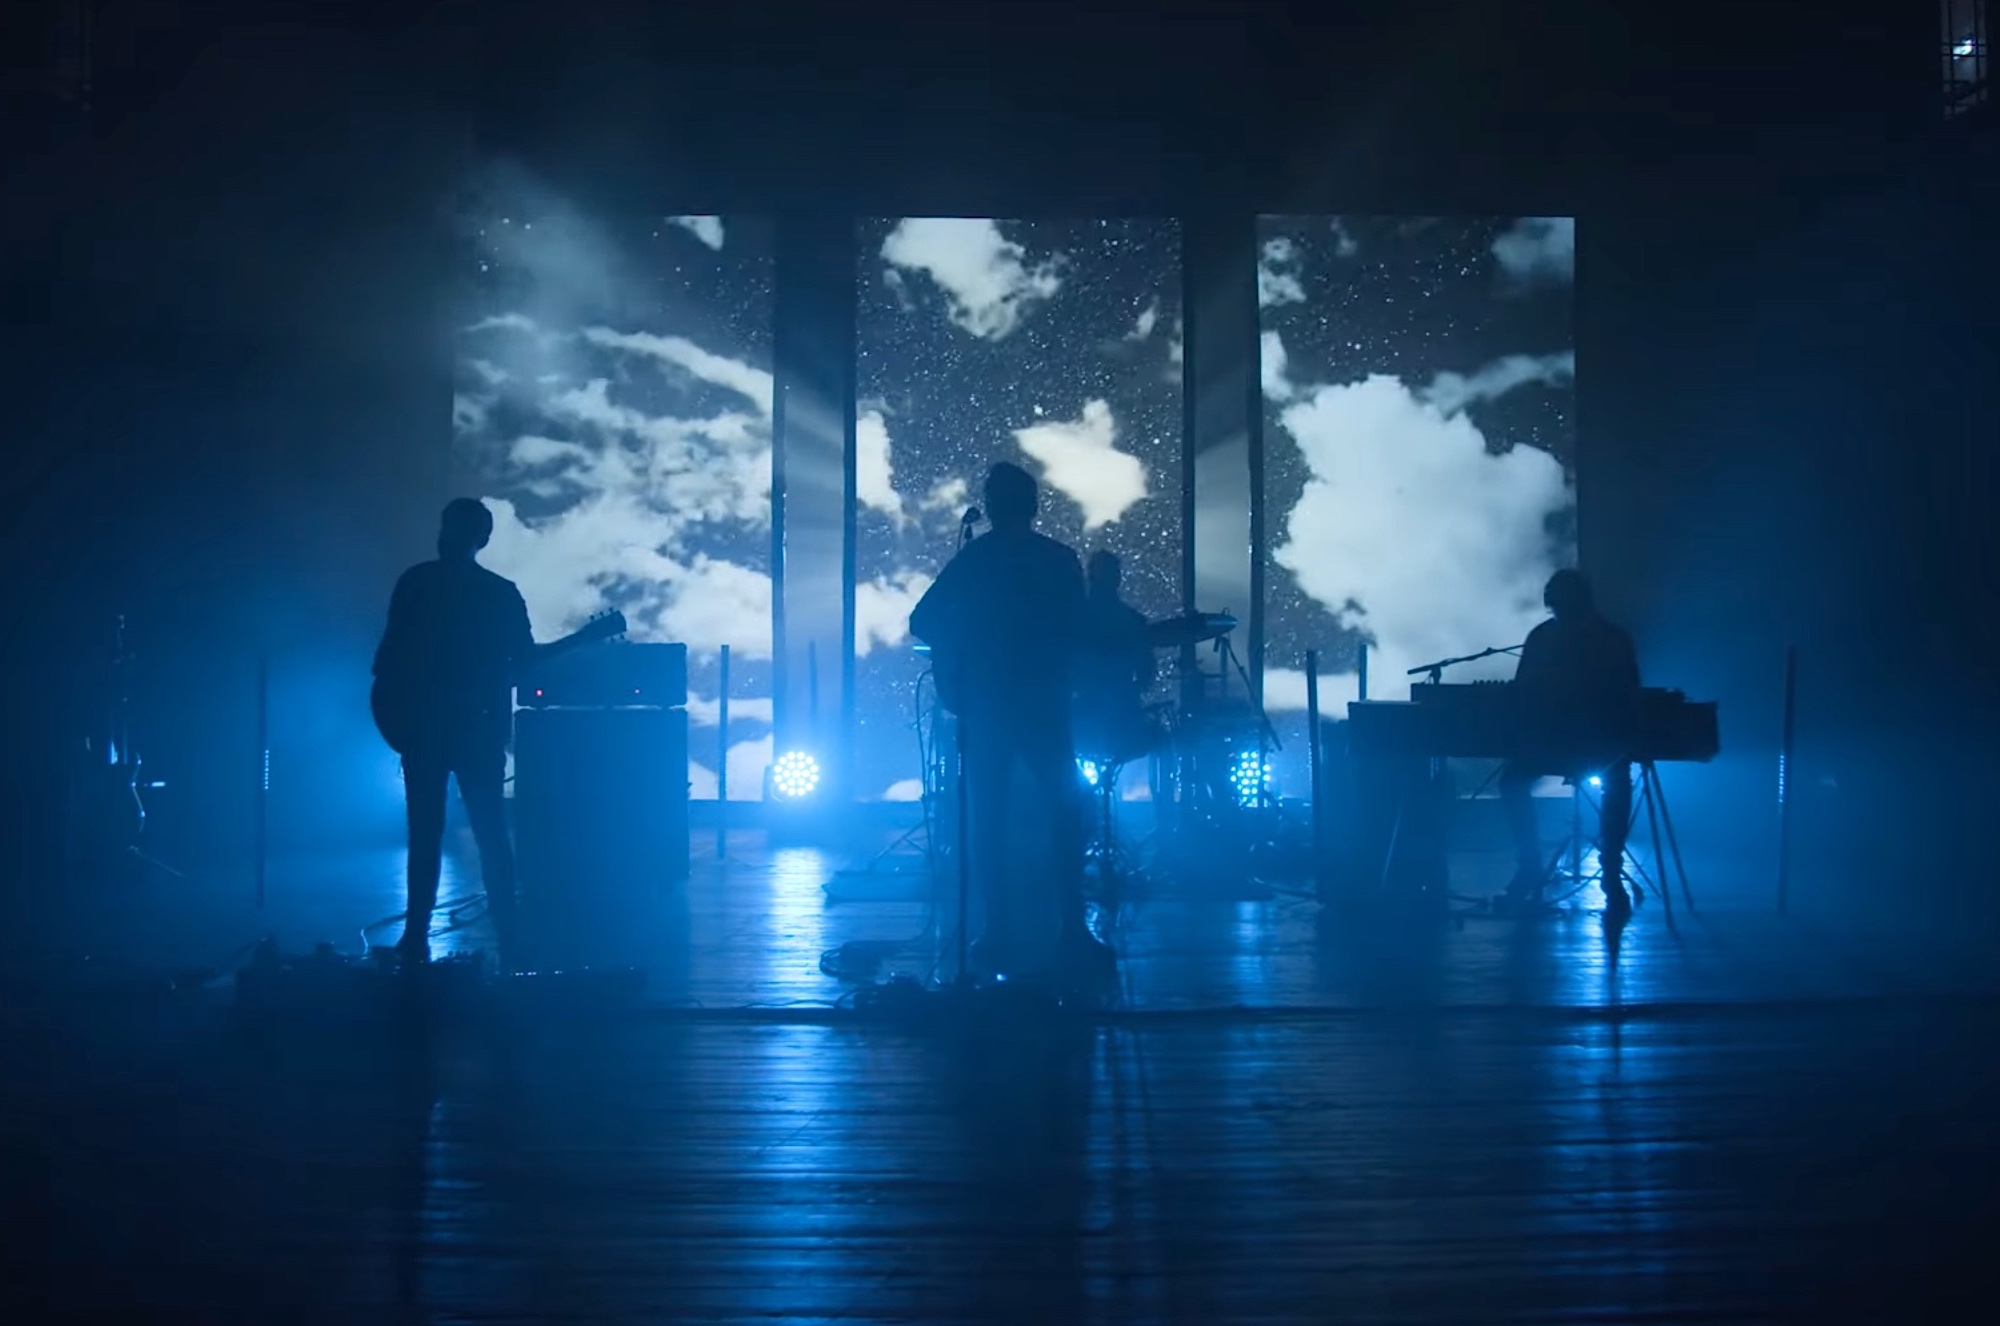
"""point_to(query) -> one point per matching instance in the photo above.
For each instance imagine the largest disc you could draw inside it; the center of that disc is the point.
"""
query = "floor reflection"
(1421, 1166)
(751, 930)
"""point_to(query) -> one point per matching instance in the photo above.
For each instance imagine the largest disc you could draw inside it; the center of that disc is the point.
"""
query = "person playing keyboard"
(1579, 676)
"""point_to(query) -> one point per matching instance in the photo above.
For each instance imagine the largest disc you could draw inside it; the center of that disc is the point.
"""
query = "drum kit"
(1207, 751)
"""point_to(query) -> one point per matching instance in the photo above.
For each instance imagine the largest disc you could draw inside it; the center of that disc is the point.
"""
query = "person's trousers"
(1000, 824)
(481, 771)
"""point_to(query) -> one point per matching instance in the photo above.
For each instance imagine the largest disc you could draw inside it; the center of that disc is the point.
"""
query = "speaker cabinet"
(600, 798)
(613, 675)
(1384, 820)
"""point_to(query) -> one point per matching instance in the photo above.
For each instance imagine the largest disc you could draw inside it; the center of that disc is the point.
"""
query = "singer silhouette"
(1005, 621)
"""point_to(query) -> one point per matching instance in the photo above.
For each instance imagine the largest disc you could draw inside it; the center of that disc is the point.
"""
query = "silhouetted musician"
(1114, 668)
(457, 635)
(1005, 621)
(1579, 682)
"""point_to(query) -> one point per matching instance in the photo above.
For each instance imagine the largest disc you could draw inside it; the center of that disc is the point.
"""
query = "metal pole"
(1361, 666)
(263, 773)
(1314, 754)
(722, 763)
(812, 695)
(1785, 780)
(964, 809)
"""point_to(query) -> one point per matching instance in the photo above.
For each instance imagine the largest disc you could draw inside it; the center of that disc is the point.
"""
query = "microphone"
(973, 515)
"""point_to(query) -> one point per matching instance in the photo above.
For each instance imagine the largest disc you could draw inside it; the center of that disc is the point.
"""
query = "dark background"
(227, 295)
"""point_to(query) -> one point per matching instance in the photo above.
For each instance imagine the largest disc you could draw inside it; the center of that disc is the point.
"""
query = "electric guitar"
(401, 717)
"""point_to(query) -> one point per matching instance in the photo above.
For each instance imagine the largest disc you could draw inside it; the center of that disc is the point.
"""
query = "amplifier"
(612, 673)
(600, 798)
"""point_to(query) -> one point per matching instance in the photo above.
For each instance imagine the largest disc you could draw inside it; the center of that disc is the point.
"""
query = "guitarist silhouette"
(458, 637)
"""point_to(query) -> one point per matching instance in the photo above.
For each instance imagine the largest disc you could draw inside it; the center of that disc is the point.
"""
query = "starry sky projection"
(1419, 433)
(613, 401)
(1053, 344)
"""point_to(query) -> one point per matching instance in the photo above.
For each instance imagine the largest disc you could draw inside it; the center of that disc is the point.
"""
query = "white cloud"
(747, 380)
(710, 602)
(1344, 243)
(707, 229)
(633, 490)
(490, 373)
(882, 609)
(1278, 274)
(1080, 459)
(1452, 392)
(706, 710)
(699, 469)
(1539, 248)
(520, 322)
(1271, 363)
(1285, 690)
(564, 562)
(1177, 346)
(747, 762)
(908, 789)
(1149, 317)
(947, 495)
(1411, 531)
(874, 477)
(985, 277)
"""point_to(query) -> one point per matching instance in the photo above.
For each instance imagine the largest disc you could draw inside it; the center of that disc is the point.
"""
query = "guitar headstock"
(603, 626)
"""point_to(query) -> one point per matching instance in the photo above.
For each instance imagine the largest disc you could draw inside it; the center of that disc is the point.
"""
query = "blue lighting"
(1249, 777)
(1088, 768)
(794, 776)
(1596, 781)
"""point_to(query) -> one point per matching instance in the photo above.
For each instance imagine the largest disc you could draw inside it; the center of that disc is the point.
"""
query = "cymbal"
(1196, 628)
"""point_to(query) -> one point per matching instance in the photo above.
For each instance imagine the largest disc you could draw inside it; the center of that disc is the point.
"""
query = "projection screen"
(1052, 344)
(1419, 440)
(613, 407)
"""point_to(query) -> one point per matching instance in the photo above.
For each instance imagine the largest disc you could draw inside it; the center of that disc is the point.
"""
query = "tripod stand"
(107, 806)
(1650, 799)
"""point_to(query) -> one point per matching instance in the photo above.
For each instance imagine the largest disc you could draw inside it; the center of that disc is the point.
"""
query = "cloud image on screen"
(612, 406)
(1419, 404)
(1051, 344)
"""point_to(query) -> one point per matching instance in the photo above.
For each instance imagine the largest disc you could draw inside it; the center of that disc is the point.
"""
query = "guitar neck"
(587, 634)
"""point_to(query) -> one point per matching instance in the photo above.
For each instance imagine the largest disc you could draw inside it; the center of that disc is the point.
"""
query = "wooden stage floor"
(1292, 1116)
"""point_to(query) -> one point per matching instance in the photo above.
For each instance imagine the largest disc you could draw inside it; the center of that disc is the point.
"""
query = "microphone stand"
(963, 810)
(1436, 670)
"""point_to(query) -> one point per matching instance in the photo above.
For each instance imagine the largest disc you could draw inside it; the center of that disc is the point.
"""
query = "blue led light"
(794, 776)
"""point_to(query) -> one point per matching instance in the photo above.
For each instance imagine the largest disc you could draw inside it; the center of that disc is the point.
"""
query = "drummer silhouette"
(1115, 668)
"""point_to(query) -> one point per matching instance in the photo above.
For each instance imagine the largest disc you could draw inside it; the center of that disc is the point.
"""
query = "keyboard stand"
(1650, 799)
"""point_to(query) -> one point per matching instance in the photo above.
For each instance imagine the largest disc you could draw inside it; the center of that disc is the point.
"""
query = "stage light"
(1965, 48)
(1596, 781)
(1088, 768)
(1249, 777)
(794, 776)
